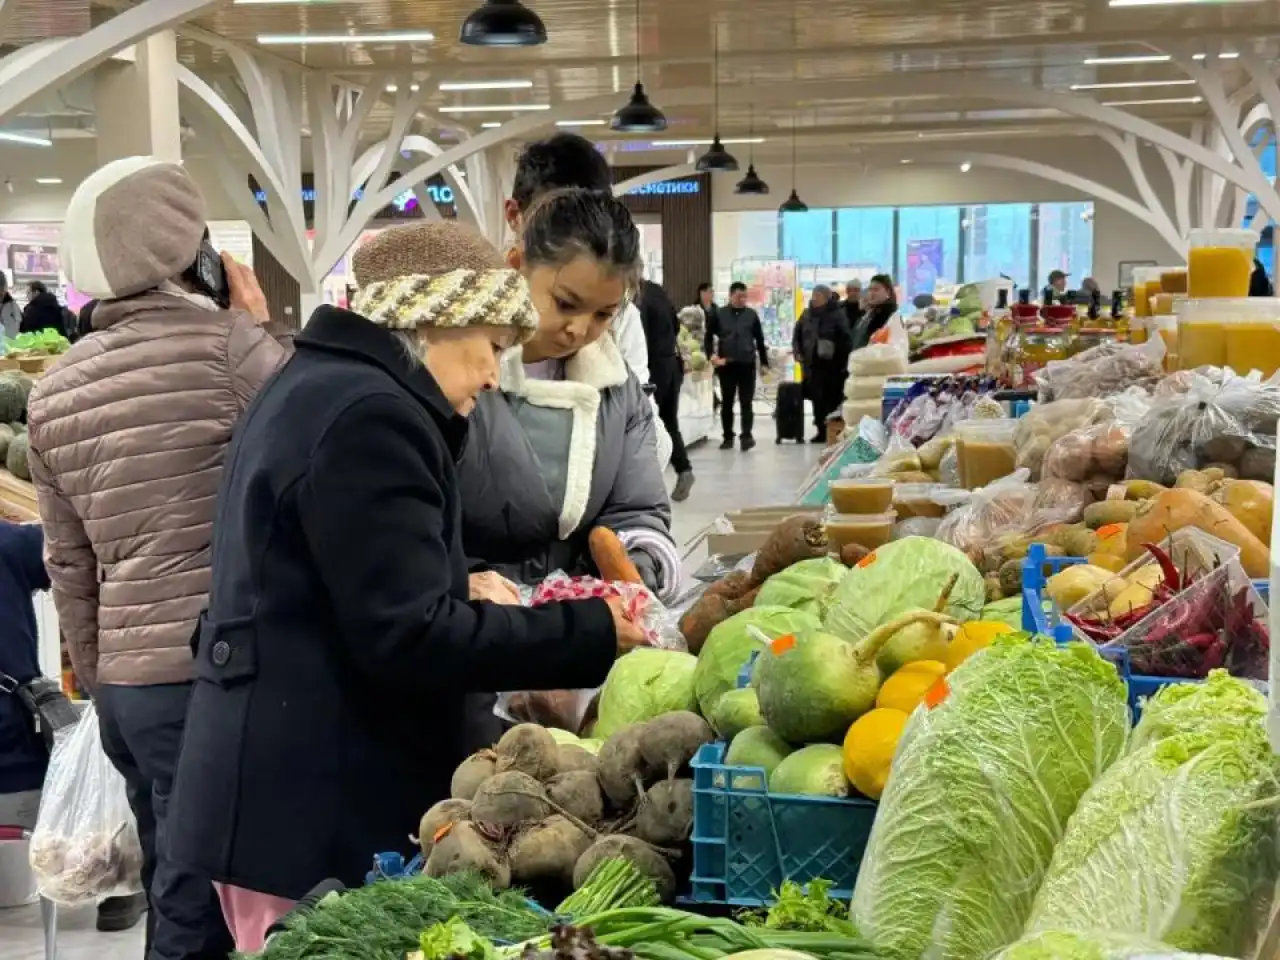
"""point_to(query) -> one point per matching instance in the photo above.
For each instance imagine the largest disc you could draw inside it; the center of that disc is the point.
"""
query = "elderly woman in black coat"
(342, 638)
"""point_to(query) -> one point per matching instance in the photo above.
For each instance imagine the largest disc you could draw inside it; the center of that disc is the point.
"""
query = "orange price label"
(867, 561)
(937, 693)
(782, 644)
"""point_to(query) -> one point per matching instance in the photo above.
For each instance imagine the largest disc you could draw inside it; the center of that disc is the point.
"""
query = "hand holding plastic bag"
(85, 845)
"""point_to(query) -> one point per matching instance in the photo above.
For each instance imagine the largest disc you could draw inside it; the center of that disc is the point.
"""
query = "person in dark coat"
(822, 342)
(1259, 282)
(666, 373)
(881, 305)
(43, 311)
(734, 338)
(344, 630)
(853, 302)
(707, 303)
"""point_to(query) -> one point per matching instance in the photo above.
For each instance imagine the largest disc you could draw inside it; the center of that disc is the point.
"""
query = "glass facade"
(955, 244)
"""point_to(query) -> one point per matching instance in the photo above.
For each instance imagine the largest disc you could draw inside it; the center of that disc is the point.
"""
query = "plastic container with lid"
(1220, 262)
(985, 451)
(1146, 284)
(861, 495)
(870, 530)
(1173, 280)
(1167, 328)
(928, 500)
(1202, 332)
(1253, 335)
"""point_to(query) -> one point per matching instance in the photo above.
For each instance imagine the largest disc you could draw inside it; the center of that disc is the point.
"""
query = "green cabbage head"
(644, 684)
(906, 574)
(1178, 840)
(807, 585)
(982, 787)
(730, 645)
(1057, 945)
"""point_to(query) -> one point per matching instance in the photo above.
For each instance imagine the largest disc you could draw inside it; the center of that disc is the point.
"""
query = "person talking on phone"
(128, 435)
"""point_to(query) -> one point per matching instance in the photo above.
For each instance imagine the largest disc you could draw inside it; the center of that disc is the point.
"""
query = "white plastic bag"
(85, 845)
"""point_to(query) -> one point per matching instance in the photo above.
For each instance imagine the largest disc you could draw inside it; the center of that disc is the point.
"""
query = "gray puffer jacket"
(548, 460)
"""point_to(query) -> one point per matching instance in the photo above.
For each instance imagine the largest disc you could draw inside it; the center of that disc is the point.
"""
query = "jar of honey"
(1031, 348)
(1220, 262)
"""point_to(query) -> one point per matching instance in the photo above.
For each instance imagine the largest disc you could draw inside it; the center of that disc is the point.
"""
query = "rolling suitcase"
(788, 411)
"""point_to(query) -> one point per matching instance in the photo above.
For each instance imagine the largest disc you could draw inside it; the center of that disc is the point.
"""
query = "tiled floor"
(769, 474)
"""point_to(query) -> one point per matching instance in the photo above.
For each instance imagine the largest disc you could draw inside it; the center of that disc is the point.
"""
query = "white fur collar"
(595, 367)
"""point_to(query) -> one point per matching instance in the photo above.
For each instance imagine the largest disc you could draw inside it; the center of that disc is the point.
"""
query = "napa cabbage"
(983, 784)
(1179, 837)
(1058, 945)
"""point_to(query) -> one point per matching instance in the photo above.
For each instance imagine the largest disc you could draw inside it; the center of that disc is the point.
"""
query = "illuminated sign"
(665, 188)
(439, 193)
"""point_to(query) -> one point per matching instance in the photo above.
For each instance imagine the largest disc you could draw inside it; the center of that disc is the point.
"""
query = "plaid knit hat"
(130, 226)
(439, 274)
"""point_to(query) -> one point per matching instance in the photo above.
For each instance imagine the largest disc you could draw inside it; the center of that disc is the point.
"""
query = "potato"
(1223, 449)
(1258, 463)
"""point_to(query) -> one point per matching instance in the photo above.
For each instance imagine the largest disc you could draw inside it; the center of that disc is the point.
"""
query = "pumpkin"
(1251, 502)
(1182, 507)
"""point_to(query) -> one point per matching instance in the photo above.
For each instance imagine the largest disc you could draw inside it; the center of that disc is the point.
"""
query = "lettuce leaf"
(981, 790)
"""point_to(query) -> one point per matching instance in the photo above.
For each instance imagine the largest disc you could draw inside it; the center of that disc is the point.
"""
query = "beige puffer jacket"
(128, 434)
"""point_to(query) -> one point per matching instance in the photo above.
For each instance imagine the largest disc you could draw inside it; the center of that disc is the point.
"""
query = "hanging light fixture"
(503, 23)
(793, 203)
(751, 185)
(639, 115)
(717, 159)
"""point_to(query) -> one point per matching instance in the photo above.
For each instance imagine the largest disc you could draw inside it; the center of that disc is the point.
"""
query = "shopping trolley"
(48, 909)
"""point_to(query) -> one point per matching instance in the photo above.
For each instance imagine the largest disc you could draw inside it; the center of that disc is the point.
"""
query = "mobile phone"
(207, 275)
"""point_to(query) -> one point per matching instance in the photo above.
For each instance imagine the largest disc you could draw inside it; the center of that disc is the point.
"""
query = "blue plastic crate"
(747, 841)
(1040, 615)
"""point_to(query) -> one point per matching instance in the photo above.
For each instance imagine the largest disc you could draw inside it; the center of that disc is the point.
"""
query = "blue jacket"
(23, 758)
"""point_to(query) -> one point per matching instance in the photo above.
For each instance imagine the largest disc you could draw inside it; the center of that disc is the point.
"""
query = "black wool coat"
(334, 662)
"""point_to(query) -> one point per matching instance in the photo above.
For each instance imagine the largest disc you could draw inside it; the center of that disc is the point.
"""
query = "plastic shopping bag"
(572, 709)
(85, 845)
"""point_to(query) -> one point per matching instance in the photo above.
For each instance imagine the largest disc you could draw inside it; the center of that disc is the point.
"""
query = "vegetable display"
(644, 684)
(983, 783)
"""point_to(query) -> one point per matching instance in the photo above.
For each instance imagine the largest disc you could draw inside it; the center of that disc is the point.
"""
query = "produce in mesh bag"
(85, 845)
(1177, 839)
(984, 781)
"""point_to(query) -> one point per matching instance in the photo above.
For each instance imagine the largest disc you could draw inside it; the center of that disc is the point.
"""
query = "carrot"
(611, 557)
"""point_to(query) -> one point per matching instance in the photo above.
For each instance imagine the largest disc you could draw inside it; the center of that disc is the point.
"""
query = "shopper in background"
(1056, 287)
(128, 435)
(881, 304)
(568, 443)
(666, 373)
(822, 342)
(734, 339)
(343, 631)
(1259, 282)
(853, 302)
(707, 302)
(42, 312)
(10, 312)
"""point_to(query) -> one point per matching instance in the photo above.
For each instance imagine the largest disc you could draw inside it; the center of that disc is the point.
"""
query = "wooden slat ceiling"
(765, 44)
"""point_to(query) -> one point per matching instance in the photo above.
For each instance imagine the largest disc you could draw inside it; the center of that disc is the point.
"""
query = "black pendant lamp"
(717, 159)
(639, 115)
(503, 23)
(793, 203)
(751, 185)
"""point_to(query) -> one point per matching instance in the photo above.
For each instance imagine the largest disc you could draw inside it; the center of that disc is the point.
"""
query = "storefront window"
(1066, 243)
(998, 242)
(807, 237)
(928, 235)
(864, 238)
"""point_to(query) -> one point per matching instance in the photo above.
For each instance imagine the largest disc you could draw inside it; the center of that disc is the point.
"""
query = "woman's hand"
(246, 292)
(494, 588)
(628, 631)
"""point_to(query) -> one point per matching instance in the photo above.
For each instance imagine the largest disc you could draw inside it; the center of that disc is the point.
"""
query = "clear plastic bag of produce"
(983, 784)
(1011, 505)
(1097, 455)
(85, 844)
(1101, 371)
(1046, 422)
(571, 709)
(1231, 425)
